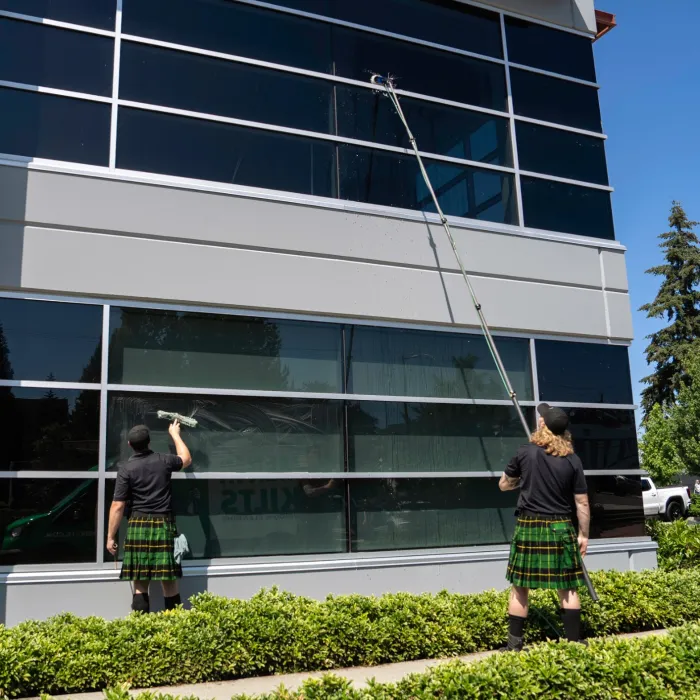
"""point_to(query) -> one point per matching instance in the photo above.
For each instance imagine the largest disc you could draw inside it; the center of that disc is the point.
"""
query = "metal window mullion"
(535, 378)
(32, 384)
(56, 23)
(115, 86)
(44, 90)
(102, 464)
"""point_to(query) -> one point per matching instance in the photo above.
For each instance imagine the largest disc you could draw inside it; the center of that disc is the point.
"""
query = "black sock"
(516, 625)
(140, 603)
(572, 624)
(172, 601)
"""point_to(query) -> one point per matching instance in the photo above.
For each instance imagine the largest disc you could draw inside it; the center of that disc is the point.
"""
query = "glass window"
(42, 55)
(553, 100)
(93, 13)
(234, 433)
(187, 147)
(427, 437)
(370, 116)
(400, 362)
(233, 28)
(48, 521)
(616, 506)
(60, 128)
(558, 206)
(252, 518)
(549, 49)
(50, 428)
(391, 514)
(604, 438)
(583, 372)
(201, 84)
(48, 340)
(182, 348)
(561, 153)
(395, 180)
(420, 69)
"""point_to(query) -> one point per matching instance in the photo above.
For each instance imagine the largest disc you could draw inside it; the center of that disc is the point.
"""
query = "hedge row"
(679, 544)
(276, 632)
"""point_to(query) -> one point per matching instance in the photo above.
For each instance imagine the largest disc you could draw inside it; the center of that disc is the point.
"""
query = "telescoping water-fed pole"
(387, 84)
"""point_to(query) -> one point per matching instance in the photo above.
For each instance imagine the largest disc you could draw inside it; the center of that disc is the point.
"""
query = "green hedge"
(275, 632)
(679, 544)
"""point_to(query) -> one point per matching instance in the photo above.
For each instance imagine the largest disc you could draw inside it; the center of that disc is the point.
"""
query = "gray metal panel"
(615, 271)
(576, 14)
(620, 313)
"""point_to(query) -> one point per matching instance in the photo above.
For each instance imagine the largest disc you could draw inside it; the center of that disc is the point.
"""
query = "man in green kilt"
(545, 551)
(144, 481)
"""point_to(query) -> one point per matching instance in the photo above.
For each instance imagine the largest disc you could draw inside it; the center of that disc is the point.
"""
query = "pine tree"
(678, 301)
(5, 365)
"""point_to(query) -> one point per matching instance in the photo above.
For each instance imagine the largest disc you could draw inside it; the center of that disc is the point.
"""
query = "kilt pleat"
(149, 549)
(544, 553)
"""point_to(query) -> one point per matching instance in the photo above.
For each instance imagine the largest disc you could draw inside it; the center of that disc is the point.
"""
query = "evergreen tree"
(678, 301)
(5, 365)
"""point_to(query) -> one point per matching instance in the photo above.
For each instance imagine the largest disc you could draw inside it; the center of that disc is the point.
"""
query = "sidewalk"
(359, 675)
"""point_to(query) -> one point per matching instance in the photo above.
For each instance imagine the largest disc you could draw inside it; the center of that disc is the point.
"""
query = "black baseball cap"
(138, 435)
(554, 418)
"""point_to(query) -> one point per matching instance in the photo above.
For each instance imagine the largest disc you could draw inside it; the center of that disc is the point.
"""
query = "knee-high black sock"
(516, 630)
(140, 603)
(572, 624)
(172, 601)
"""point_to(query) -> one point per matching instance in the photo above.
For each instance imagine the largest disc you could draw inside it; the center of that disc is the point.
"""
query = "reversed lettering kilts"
(149, 549)
(544, 553)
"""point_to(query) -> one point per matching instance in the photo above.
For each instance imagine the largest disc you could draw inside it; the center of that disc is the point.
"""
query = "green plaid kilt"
(149, 549)
(544, 553)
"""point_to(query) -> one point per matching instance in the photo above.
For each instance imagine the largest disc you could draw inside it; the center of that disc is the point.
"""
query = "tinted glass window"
(94, 13)
(395, 180)
(554, 100)
(583, 372)
(561, 153)
(201, 84)
(616, 506)
(425, 437)
(233, 433)
(603, 438)
(41, 55)
(232, 27)
(424, 70)
(418, 513)
(549, 49)
(398, 362)
(47, 340)
(59, 128)
(240, 518)
(50, 429)
(448, 131)
(177, 348)
(48, 521)
(557, 206)
(173, 145)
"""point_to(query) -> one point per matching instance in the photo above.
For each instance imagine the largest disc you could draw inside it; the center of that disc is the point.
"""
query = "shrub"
(276, 632)
(694, 509)
(679, 544)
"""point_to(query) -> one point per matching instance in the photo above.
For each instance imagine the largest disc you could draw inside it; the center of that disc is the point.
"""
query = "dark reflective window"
(616, 506)
(242, 518)
(233, 27)
(558, 206)
(49, 428)
(604, 438)
(49, 340)
(420, 69)
(93, 13)
(400, 362)
(561, 153)
(553, 100)
(583, 372)
(550, 49)
(186, 147)
(42, 55)
(233, 433)
(395, 514)
(448, 131)
(187, 81)
(48, 521)
(182, 348)
(60, 128)
(395, 180)
(426, 437)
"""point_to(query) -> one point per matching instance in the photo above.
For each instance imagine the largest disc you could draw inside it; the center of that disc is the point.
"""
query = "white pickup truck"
(670, 503)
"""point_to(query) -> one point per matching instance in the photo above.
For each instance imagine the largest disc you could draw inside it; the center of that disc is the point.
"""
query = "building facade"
(206, 208)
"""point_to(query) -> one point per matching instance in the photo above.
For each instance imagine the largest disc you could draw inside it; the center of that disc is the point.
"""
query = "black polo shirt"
(144, 481)
(547, 483)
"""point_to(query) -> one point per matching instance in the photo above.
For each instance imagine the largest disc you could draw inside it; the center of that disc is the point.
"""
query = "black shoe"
(514, 644)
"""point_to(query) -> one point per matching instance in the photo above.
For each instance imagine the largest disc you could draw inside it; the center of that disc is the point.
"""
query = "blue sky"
(649, 72)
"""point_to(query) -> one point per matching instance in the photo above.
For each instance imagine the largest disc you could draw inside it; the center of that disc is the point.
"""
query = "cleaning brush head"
(184, 420)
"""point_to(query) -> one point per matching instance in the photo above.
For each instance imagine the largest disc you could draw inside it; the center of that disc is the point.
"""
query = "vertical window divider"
(535, 381)
(102, 464)
(115, 85)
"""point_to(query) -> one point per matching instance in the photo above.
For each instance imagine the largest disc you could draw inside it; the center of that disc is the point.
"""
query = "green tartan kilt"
(544, 553)
(149, 549)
